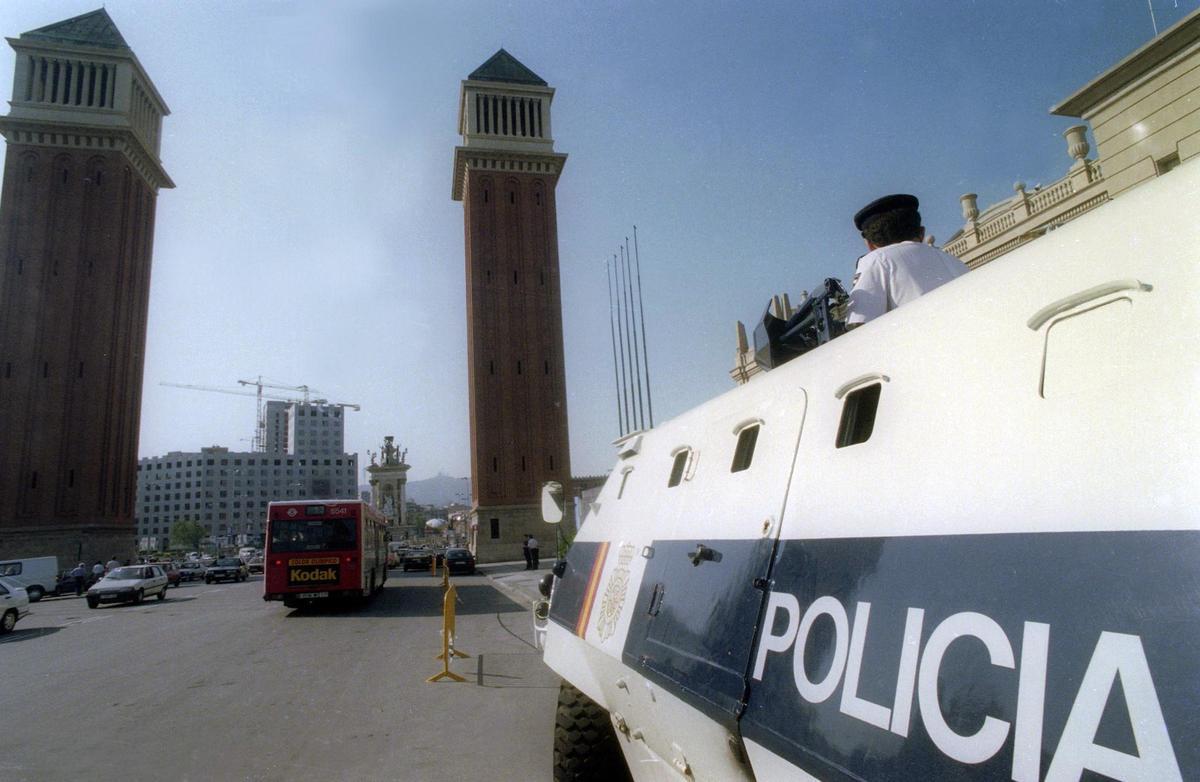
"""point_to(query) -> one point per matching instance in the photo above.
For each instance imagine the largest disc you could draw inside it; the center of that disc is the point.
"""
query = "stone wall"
(515, 522)
(69, 544)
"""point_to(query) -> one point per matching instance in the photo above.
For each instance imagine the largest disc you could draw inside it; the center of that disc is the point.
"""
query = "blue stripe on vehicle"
(926, 625)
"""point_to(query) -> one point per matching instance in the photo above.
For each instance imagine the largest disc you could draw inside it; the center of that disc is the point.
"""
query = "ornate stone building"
(1144, 114)
(388, 479)
(81, 182)
(505, 174)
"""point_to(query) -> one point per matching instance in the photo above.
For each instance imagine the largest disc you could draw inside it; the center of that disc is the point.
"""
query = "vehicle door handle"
(703, 554)
(1040, 317)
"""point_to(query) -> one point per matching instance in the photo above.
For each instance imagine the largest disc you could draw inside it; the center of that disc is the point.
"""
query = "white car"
(129, 584)
(14, 604)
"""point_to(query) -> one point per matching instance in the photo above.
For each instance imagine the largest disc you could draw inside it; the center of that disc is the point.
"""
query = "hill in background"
(438, 490)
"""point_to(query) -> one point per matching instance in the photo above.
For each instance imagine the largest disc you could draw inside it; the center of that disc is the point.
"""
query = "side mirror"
(552, 502)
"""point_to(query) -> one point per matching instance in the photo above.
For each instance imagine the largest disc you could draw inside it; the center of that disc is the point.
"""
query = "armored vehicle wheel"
(585, 743)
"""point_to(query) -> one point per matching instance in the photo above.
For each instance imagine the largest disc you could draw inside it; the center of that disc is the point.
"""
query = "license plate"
(310, 595)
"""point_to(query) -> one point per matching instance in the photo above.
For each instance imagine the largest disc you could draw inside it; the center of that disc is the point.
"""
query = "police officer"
(898, 266)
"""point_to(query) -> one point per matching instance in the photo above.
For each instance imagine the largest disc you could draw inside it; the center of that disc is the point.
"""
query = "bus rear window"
(312, 535)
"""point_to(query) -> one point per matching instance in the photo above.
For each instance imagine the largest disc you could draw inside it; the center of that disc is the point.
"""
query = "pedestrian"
(112, 563)
(79, 573)
(528, 554)
(97, 571)
(898, 266)
(533, 552)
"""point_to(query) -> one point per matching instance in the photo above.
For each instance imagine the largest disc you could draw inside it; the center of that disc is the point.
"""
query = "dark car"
(226, 569)
(66, 584)
(417, 559)
(459, 560)
(172, 571)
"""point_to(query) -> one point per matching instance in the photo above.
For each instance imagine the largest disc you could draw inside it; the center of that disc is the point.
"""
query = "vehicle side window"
(743, 454)
(10, 569)
(858, 416)
(677, 467)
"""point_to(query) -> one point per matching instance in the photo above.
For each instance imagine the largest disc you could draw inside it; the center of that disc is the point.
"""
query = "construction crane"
(260, 426)
(259, 440)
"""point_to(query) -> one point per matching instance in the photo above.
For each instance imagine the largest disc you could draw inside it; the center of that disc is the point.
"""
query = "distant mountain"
(440, 490)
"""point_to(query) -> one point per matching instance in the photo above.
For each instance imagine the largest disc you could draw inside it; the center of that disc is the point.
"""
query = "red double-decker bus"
(319, 550)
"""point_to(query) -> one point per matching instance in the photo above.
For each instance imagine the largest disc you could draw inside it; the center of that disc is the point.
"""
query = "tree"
(188, 533)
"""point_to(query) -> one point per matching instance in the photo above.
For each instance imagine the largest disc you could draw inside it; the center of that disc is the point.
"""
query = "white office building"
(228, 491)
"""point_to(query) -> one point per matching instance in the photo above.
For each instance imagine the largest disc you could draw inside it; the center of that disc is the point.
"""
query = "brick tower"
(81, 179)
(505, 173)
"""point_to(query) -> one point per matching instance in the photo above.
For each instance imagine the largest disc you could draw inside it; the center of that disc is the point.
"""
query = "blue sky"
(312, 238)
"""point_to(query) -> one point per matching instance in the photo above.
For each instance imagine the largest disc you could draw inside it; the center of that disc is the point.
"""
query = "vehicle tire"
(585, 743)
(162, 594)
(8, 621)
(207, 580)
(35, 593)
(93, 602)
(138, 597)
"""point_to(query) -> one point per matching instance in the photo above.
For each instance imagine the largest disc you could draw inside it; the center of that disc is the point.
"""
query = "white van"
(39, 575)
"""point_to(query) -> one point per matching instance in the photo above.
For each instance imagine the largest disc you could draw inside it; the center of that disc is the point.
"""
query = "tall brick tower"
(505, 173)
(81, 179)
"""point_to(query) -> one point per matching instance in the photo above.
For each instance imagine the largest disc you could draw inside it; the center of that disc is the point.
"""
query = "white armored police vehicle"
(959, 542)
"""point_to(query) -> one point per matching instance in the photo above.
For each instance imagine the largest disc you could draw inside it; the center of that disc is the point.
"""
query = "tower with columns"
(505, 174)
(81, 181)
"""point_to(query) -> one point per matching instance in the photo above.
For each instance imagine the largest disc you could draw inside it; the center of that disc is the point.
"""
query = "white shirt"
(533, 543)
(890, 276)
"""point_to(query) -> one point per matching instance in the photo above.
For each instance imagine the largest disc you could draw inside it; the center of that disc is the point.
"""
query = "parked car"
(226, 569)
(129, 584)
(14, 604)
(66, 583)
(174, 576)
(191, 571)
(417, 559)
(255, 565)
(460, 560)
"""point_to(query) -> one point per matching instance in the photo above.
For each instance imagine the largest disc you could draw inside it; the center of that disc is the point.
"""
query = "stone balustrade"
(1028, 214)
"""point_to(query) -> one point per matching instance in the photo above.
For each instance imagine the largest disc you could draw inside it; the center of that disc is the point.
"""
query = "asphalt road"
(216, 684)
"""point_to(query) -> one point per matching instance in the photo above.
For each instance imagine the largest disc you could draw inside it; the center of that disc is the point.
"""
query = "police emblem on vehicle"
(614, 594)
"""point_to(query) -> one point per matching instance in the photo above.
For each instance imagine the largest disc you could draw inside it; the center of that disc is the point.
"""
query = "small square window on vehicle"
(678, 466)
(743, 454)
(858, 415)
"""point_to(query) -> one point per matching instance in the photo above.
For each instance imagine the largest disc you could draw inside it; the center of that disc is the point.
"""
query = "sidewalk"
(515, 581)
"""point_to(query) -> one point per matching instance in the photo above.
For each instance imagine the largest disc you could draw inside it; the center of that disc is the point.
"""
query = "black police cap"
(888, 203)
